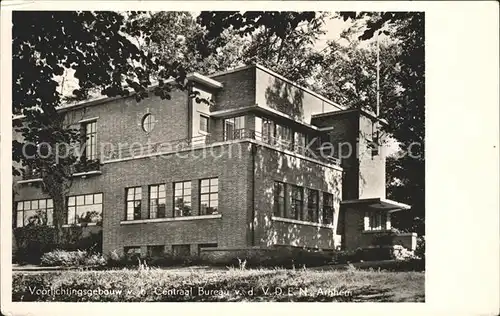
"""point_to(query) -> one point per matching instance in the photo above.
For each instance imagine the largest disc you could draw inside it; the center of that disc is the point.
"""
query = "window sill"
(80, 225)
(87, 173)
(294, 221)
(170, 219)
(77, 174)
(378, 231)
(27, 181)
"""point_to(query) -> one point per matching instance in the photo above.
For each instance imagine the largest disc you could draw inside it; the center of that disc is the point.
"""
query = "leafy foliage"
(34, 240)
(348, 75)
(282, 41)
(406, 111)
(71, 259)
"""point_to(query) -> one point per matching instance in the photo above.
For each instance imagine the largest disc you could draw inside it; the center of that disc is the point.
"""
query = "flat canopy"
(379, 204)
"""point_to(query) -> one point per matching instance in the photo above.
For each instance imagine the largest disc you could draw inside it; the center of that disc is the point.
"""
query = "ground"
(202, 284)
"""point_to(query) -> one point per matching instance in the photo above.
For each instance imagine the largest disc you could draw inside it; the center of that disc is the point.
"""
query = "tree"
(348, 74)
(176, 36)
(98, 48)
(281, 41)
(406, 115)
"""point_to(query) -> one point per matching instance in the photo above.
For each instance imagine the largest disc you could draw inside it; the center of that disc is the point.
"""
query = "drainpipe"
(254, 151)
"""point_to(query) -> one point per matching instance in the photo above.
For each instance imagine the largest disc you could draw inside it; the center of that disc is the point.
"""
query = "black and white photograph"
(271, 155)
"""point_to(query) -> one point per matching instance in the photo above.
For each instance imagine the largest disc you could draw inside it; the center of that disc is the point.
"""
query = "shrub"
(166, 260)
(284, 257)
(72, 258)
(420, 249)
(348, 256)
(34, 240)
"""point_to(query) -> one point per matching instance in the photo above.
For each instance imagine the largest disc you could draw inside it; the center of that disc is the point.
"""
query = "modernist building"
(255, 168)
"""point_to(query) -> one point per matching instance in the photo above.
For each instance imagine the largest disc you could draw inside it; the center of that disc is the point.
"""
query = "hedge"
(33, 241)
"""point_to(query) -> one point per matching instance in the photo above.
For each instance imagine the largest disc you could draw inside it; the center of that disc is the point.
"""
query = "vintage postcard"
(233, 152)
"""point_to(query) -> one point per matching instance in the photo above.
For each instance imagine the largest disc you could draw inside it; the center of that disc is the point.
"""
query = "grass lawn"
(188, 284)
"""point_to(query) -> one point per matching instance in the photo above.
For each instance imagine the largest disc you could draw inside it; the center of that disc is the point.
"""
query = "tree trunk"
(57, 187)
(59, 200)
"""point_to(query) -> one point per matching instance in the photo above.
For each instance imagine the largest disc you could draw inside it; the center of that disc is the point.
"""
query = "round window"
(148, 122)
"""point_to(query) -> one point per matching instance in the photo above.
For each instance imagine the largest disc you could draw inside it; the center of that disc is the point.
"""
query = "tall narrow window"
(327, 208)
(86, 208)
(284, 137)
(209, 196)
(312, 205)
(134, 200)
(90, 138)
(157, 201)
(279, 199)
(204, 123)
(234, 128)
(299, 142)
(35, 212)
(182, 199)
(268, 131)
(297, 202)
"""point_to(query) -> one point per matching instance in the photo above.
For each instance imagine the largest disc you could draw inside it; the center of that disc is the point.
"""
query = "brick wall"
(272, 165)
(344, 138)
(353, 227)
(233, 174)
(285, 97)
(238, 89)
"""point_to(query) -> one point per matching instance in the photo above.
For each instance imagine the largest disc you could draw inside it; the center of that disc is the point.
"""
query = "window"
(327, 208)
(268, 131)
(134, 198)
(374, 144)
(85, 208)
(132, 252)
(148, 122)
(205, 246)
(181, 250)
(35, 212)
(284, 136)
(312, 205)
(279, 199)
(209, 196)
(233, 127)
(182, 199)
(157, 201)
(376, 220)
(155, 251)
(204, 123)
(299, 142)
(89, 136)
(297, 202)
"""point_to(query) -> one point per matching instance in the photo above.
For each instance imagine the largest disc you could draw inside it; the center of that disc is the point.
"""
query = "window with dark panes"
(34, 212)
(182, 199)
(312, 205)
(297, 202)
(327, 208)
(157, 201)
(134, 200)
(85, 208)
(279, 199)
(209, 196)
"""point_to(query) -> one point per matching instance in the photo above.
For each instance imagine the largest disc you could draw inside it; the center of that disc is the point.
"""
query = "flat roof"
(205, 79)
(364, 111)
